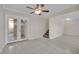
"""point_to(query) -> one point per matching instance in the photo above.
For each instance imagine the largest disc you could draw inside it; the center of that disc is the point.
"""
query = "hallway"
(61, 45)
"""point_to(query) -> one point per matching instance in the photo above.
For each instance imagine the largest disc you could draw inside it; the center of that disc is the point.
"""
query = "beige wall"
(56, 27)
(72, 27)
(37, 26)
(2, 28)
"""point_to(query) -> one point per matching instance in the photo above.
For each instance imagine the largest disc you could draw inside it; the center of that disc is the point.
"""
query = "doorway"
(17, 29)
(12, 27)
(23, 28)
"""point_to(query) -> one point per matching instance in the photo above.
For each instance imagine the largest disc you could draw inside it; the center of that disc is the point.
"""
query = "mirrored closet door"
(12, 29)
(23, 29)
(17, 28)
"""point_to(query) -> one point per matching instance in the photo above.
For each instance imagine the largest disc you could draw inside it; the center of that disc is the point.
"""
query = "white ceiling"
(53, 8)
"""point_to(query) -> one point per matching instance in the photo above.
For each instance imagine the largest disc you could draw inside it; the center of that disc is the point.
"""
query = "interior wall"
(56, 27)
(37, 26)
(2, 28)
(19, 16)
(72, 27)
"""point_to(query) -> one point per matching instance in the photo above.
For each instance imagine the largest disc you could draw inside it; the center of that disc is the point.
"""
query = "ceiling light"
(68, 19)
(38, 11)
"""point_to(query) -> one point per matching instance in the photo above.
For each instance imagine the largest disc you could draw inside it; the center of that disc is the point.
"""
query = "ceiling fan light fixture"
(38, 11)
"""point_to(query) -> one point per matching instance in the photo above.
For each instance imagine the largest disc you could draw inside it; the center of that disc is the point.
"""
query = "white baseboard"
(32, 38)
(55, 36)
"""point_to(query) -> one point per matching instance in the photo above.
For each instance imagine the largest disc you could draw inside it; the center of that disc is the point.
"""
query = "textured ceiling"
(54, 8)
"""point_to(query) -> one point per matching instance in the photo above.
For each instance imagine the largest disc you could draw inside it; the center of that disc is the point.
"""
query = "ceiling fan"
(38, 9)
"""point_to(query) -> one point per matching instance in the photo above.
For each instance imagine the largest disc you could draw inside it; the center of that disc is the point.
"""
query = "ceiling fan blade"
(29, 7)
(45, 10)
(31, 12)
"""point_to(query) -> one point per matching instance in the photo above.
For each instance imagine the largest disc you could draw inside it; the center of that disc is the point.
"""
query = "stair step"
(46, 35)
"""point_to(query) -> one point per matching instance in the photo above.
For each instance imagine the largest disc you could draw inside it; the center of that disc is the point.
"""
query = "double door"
(17, 29)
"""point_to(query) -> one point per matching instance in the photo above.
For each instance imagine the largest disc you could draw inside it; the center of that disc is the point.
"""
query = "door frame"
(18, 29)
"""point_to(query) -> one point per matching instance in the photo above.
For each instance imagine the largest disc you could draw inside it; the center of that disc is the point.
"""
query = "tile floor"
(61, 45)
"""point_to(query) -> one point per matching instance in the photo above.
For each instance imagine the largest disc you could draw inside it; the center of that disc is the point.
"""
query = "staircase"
(46, 35)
